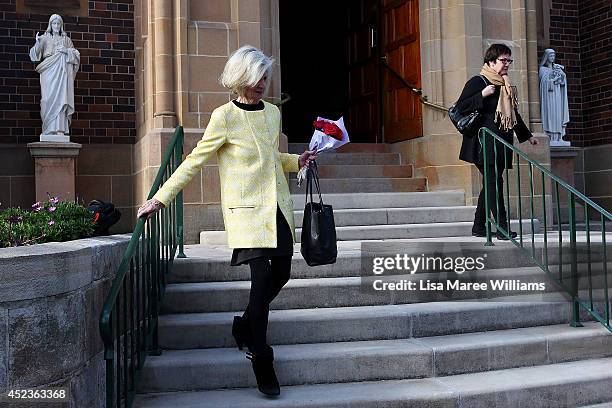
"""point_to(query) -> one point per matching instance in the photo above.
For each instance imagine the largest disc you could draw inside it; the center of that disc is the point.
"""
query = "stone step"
(207, 369)
(211, 263)
(338, 292)
(356, 170)
(383, 216)
(358, 158)
(408, 231)
(209, 330)
(299, 148)
(387, 200)
(390, 231)
(561, 385)
(364, 185)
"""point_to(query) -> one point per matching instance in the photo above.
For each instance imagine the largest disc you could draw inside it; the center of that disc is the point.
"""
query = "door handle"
(372, 37)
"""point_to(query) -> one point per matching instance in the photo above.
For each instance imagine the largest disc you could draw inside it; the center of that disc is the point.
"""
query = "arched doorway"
(330, 65)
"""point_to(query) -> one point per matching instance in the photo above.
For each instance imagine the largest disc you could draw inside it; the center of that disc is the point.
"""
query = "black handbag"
(318, 243)
(465, 124)
(105, 215)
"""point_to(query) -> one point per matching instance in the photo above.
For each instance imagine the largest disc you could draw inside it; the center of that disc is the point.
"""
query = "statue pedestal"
(55, 138)
(559, 143)
(55, 169)
(562, 164)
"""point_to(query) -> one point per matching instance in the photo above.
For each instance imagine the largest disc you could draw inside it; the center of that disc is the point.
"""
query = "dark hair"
(495, 50)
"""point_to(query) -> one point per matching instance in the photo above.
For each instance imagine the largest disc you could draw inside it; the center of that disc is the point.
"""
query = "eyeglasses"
(506, 61)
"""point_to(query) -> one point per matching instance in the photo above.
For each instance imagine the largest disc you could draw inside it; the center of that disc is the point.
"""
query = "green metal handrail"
(128, 322)
(574, 197)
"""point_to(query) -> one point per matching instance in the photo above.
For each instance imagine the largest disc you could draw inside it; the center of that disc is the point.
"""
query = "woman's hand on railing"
(149, 208)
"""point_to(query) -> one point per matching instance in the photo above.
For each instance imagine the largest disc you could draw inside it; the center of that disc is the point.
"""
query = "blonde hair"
(245, 68)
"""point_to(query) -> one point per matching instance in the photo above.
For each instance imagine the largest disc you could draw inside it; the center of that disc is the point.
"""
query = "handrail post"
(574, 261)
(518, 193)
(179, 201)
(109, 353)
(155, 286)
(486, 188)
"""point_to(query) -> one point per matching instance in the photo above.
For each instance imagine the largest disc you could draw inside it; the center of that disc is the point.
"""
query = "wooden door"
(403, 118)
(364, 90)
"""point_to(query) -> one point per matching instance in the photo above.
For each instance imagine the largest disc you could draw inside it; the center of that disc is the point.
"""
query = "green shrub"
(45, 222)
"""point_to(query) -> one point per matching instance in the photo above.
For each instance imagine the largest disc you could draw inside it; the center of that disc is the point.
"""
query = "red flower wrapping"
(318, 124)
(330, 129)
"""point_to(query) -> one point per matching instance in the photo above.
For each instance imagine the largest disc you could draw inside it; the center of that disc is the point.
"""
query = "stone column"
(165, 115)
(535, 120)
(54, 169)
(451, 52)
(246, 16)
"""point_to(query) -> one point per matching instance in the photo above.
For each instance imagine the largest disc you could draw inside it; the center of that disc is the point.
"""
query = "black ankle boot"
(241, 332)
(502, 237)
(267, 383)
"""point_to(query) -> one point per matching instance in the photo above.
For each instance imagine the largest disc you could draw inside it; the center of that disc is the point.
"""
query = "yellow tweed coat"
(251, 172)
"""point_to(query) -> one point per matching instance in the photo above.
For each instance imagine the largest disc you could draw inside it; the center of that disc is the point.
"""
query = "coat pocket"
(240, 207)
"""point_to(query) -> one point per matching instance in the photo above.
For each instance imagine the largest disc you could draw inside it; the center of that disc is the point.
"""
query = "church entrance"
(331, 66)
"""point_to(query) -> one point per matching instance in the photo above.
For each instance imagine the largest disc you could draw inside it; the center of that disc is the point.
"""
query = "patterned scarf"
(505, 115)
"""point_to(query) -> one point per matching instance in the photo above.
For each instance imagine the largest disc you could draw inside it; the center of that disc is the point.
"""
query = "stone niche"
(74, 8)
(51, 296)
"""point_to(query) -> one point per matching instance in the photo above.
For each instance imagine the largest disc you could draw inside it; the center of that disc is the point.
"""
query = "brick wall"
(596, 61)
(580, 34)
(564, 39)
(104, 86)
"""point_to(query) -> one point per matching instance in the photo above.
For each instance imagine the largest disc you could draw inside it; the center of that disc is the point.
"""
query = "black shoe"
(241, 332)
(479, 233)
(267, 383)
(502, 237)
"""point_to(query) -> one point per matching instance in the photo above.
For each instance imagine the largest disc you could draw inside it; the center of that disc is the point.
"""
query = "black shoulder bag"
(318, 243)
(465, 124)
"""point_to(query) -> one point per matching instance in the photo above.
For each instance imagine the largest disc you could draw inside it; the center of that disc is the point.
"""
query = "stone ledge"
(41, 270)
(51, 297)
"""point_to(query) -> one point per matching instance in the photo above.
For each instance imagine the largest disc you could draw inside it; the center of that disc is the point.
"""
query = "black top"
(284, 238)
(248, 106)
(471, 100)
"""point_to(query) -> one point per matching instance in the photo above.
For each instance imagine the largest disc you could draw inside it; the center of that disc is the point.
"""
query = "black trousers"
(268, 276)
(479, 216)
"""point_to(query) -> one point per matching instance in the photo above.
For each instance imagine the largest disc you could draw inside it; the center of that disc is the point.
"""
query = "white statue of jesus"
(59, 63)
(553, 99)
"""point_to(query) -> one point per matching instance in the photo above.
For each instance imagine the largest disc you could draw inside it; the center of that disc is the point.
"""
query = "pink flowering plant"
(51, 221)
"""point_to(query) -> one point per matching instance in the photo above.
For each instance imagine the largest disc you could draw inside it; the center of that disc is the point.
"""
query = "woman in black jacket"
(492, 94)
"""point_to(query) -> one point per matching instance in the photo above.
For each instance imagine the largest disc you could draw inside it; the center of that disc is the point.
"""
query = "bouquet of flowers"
(328, 135)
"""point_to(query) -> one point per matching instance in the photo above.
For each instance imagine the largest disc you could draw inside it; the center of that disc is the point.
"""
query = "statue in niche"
(58, 65)
(553, 98)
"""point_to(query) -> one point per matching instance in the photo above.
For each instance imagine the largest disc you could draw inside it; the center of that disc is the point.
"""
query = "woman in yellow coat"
(255, 199)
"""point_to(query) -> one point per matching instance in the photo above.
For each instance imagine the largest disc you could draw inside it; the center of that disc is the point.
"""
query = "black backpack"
(105, 215)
